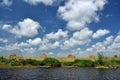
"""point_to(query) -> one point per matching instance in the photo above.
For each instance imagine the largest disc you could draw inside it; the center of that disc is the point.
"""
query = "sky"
(59, 27)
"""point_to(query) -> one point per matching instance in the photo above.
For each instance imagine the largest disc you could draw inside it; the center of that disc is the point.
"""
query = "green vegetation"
(83, 63)
(100, 62)
(67, 63)
(11, 62)
(51, 62)
(2, 60)
(32, 62)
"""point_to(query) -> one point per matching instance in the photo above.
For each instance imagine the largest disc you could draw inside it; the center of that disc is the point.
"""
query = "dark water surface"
(60, 74)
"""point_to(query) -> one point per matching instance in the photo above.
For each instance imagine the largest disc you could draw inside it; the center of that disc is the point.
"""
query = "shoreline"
(30, 67)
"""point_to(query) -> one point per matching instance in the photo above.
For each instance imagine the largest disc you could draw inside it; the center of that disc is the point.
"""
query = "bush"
(83, 63)
(51, 62)
(2, 60)
(67, 63)
(100, 59)
(115, 62)
(13, 62)
(32, 62)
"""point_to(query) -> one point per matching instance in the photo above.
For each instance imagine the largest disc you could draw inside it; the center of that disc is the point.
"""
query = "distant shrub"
(31, 62)
(100, 59)
(51, 62)
(13, 62)
(2, 60)
(67, 63)
(115, 62)
(83, 63)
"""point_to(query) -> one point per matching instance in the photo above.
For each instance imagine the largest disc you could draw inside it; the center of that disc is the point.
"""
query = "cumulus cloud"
(99, 33)
(48, 45)
(115, 46)
(6, 2)
(6, 27)
(78, 13)
(79, 38)
(35, 41)
(3, 40)
(59, 34)
(110, 46)
(45, 2)
(27, 27)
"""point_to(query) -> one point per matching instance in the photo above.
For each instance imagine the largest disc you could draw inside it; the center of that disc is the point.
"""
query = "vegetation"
(100, 62)
(2, 60)
(51, 62)
(11, 62)
(32, 62)
(67, 63)
(83, 63)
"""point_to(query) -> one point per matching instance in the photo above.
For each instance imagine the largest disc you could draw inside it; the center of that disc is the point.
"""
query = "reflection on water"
(60, 74)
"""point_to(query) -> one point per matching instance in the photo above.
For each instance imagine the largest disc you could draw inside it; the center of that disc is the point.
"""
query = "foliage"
(2, 60)
(31, 62)
(83, 63)
(51, 62)
(100, 59)
(115, 62)
(67, 63)
(13, 62)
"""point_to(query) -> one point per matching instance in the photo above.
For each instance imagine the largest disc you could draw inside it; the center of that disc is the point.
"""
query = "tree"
(13, 62)
(2, 60)
(51, 62)
(100, 58)
(32, 62)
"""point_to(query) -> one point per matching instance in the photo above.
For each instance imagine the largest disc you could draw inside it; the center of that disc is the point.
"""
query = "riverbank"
(100, 62)
(8, 66)
(29, 66)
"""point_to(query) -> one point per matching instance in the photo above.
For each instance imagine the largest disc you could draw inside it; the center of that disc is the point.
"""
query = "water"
(60, 74)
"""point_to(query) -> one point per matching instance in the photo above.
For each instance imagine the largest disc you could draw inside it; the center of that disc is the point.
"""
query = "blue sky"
(59, 27)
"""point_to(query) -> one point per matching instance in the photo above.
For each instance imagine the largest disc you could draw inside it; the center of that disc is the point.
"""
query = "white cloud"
(79, 13)
(98, 47)
(27, 27)
(109, 46)
(99, 33)
(46, 45)
(57, 35)
(6, 27)
(108, 40)
(79, 38)
(45, 2)
(56, 44)
(29, 50)
(3, 40)
(115, 46)
(35, 41)
(6, 2)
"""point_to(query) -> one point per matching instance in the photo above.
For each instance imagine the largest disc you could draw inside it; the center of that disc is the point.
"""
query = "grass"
(100, 62)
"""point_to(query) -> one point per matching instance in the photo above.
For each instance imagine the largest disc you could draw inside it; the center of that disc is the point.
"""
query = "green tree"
(83, 63)
(13, 62)
(51, 62)
(32, 62)
(100, 59)
(2, 60)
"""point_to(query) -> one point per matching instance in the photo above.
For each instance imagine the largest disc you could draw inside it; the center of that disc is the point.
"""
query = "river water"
(60, 74)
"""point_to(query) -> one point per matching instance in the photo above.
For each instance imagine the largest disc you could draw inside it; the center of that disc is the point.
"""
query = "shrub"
(115, 62)
(83, 63)
(100, 59)
(51, 62)
(13, 62)
(31, 62)
(67, 63)
(2, 60)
